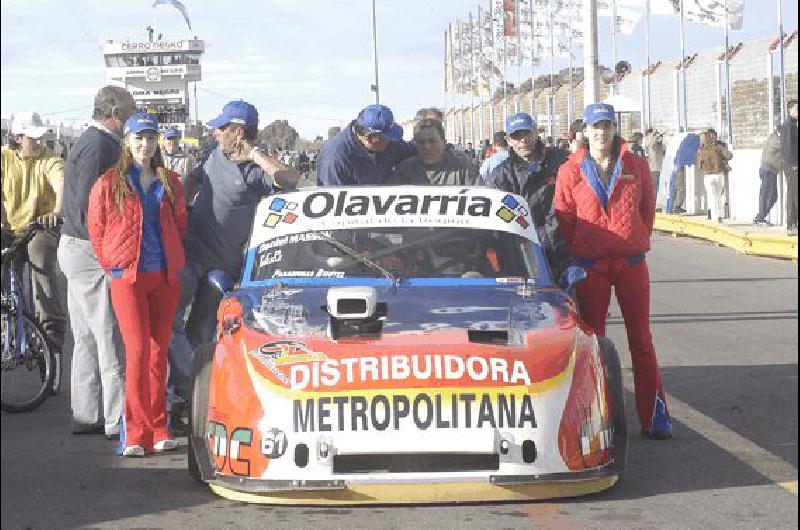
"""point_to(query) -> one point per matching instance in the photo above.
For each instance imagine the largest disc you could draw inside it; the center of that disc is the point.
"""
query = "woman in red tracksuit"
(605, 206)
(137, 218)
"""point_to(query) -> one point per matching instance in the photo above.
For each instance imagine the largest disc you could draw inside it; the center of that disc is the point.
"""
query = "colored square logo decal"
(510, 201)
(514, 210)
(291, 206)
(272, 220)
(289, 218)
(505, 214)
(277, 204)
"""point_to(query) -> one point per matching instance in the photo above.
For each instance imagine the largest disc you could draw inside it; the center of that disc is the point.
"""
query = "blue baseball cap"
(596, 112)
(379, 119)
(171, 133)
(521, 121)
(237, 111)
(141, 121)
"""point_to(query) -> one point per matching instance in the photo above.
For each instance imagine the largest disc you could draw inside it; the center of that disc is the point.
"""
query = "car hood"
(299, 311)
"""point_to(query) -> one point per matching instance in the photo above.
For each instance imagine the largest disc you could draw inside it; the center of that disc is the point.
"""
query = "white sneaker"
(165, 445)
(133, 451)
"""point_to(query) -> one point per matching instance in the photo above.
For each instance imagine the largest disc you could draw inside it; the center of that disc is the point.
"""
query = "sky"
(309, 62)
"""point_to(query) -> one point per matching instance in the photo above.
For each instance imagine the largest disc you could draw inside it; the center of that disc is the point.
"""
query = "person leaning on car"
(365, 152)
(235, 177)
(530, 171)
(605, 208)
(434, 163)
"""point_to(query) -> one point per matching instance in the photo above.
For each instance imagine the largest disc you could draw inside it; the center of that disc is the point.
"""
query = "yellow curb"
(754, 243)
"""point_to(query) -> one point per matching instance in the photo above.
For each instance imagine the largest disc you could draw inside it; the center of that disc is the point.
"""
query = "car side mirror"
(221, 281)
(572, 277)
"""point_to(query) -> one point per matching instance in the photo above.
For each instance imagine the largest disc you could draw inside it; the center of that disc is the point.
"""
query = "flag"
(177, 5)
(448, 54)
(710, 12)
(510, 18)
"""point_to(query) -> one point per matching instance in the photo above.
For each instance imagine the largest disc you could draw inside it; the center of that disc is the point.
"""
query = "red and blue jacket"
(116, 235)
(599, 221)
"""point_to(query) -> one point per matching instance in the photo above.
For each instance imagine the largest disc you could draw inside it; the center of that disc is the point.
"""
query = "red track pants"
(632, 286)
(145, 309)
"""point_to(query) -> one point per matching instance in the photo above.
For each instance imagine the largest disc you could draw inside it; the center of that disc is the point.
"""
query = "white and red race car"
(402, 345)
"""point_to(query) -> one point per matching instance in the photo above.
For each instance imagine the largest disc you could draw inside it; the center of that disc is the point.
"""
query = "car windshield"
(396, 253)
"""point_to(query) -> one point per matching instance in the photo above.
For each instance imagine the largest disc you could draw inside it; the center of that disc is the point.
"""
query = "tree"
(278, 135)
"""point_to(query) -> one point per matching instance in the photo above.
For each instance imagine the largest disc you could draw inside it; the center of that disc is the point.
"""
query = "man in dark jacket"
(98, 369)
(530, 171)
(789, 157)
(365, 152)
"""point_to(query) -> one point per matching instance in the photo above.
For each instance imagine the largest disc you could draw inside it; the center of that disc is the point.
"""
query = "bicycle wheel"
(26, 379)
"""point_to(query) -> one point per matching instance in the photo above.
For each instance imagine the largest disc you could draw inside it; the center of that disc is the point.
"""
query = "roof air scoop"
(352, 302)
(355, 312)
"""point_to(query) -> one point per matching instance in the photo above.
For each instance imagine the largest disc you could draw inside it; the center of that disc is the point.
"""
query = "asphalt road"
(725, 327)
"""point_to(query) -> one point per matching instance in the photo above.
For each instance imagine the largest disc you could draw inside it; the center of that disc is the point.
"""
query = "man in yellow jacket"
(33, 178)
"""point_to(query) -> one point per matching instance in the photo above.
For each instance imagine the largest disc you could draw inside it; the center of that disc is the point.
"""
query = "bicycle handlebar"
(30, 231)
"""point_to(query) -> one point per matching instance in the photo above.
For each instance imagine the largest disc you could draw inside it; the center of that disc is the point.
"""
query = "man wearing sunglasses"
(530, 170)
(365, 152)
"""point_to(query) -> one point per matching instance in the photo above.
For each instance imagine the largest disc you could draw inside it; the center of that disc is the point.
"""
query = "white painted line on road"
(759, 459)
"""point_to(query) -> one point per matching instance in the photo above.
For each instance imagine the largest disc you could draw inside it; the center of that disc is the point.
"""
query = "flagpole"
(783, 73)
(570, 100)
(375, 55)
(647, 57)
(533, 63)
(728, 121)
(471, 79)
(505, 68)
(614, 44)
(590, 52)
(493, 52)
(518, 26)
(685, 114)
(446, 87)
(552, 95)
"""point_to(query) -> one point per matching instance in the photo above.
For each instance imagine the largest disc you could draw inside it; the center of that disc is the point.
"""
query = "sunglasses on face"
(520, 135)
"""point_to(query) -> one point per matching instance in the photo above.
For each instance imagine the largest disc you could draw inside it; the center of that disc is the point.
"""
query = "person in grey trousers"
(98, 366)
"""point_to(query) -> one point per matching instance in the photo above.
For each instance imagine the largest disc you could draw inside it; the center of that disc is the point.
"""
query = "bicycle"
(28, 363)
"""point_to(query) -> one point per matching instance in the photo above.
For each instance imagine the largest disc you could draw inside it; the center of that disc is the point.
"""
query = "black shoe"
(678, 210)
(88, 429)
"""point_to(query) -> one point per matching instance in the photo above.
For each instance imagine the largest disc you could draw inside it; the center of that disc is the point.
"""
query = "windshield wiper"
(335, 243)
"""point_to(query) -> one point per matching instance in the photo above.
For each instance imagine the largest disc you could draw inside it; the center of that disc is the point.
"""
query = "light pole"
(375, 87)
(590, 52)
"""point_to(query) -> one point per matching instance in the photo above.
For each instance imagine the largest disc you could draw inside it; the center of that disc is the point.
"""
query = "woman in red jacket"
(137, 218)
(605, 206)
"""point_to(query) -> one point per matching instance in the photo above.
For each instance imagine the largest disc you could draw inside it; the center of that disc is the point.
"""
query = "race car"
(402, 345)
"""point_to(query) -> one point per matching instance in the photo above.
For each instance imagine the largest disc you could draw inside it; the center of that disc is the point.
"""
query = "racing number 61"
(273, 443)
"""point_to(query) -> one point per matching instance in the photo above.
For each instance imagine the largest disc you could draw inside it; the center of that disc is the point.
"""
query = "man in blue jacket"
(365, 152)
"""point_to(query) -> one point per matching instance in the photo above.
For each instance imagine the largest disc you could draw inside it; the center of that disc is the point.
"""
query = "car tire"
(198, 413)
(616, 398)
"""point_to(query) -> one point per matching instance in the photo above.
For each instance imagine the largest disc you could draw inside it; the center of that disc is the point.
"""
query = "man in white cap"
(33, 179)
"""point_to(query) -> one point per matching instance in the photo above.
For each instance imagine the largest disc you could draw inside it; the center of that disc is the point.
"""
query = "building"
(157, 72)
